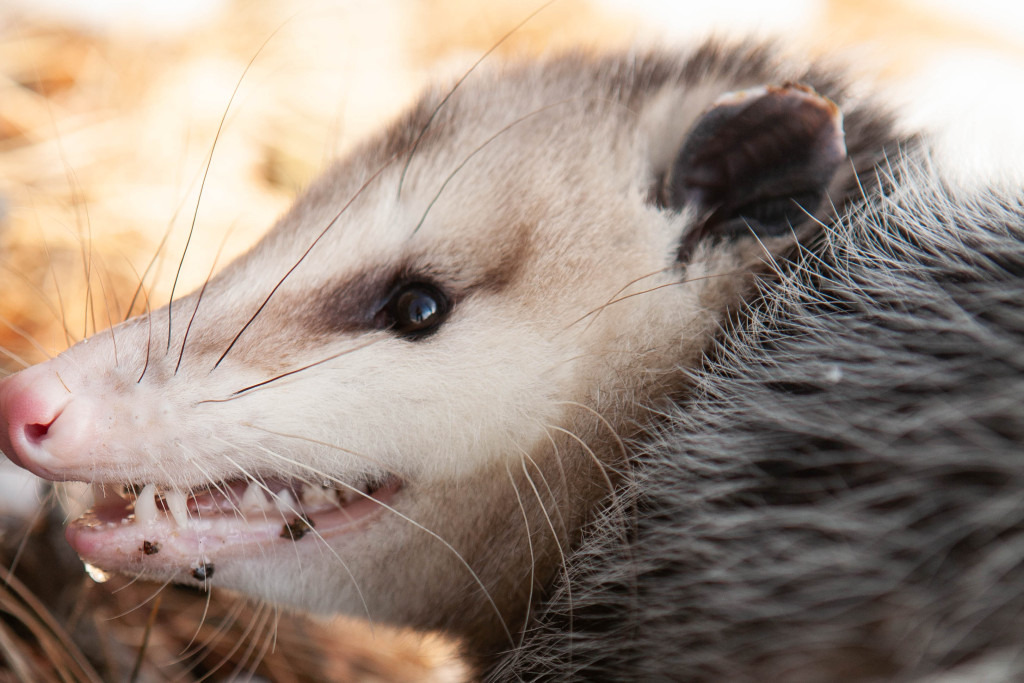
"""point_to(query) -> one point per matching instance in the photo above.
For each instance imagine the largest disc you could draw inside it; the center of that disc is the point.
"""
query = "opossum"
(840, 498)
(408, 399)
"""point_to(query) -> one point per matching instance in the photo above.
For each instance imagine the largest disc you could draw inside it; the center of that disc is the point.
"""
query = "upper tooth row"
(255, 500)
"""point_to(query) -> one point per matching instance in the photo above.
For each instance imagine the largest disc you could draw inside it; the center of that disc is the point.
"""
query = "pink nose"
(41, 427)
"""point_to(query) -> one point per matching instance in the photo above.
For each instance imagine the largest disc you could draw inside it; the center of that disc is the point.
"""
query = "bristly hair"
(841, 498)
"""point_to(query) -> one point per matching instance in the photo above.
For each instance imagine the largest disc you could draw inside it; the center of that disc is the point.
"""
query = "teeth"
(318, 496)
(145, 505)
(285, 501)
(253, 500)
(179, 509)
(351, 494)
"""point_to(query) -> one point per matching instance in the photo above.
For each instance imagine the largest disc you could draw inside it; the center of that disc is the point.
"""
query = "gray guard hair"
(841, 497)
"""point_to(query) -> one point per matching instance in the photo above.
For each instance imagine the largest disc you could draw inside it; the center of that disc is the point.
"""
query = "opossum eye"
(416, 309)
(757, 162)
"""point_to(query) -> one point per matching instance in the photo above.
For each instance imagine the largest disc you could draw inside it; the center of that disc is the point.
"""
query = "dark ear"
(756, 163)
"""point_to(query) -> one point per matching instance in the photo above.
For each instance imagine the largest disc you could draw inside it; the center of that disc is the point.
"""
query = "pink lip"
(109, 537)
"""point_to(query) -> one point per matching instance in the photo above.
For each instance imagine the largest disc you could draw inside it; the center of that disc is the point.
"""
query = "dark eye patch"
(406, 303)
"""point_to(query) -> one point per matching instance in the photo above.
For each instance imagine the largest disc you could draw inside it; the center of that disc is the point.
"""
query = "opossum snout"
(43, 428)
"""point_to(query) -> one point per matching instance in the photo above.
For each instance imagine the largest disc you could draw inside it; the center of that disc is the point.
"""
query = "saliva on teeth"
(95, 573)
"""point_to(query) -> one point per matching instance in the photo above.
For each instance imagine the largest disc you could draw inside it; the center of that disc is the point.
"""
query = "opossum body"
(841, 499)
(406, 401)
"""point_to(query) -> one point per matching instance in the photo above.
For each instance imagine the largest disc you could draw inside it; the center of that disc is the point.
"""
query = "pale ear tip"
(787, 89)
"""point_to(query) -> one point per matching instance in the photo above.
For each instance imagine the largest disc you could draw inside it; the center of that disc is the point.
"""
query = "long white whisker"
(311, 529)
(155, 593)
(216, 634)
(476, 578)
(529, 543)
(252, 625)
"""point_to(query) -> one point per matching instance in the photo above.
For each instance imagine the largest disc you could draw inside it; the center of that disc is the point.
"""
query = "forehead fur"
(520, 161)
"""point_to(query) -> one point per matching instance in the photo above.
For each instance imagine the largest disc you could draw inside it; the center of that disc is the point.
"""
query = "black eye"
(417, 309)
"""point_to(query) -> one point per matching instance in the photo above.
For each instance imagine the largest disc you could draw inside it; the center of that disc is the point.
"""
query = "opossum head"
(406, 400)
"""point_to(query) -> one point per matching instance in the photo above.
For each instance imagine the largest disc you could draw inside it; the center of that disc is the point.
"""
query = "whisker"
(563, 562)
(69, 339)
(152, 261)
(79, 204)
(596, 312)
(202, 620)
(152, 596)
(14, 357)
(252, 625)
(289, 373)
(299, 437)
(602, 467)
(110, 321)
(41, 295)
(536, 492)
(312, 529)
(605, 422)
(30, 524)
(302, 258)
(529, 542)
(265, 613)
(202, 650)
(451, 92)
(146, 633)
(476, 151)
(209, 163)
(476, 578)
(149, 340)
(675, 283)
(199, 297)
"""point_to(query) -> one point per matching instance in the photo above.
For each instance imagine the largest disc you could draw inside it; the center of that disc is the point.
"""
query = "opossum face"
(406, 400)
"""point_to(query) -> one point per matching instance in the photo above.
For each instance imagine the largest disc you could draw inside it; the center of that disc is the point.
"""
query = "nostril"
(35, 433)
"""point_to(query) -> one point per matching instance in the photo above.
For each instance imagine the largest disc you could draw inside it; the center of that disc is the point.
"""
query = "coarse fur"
(841, 496)
(532, 196)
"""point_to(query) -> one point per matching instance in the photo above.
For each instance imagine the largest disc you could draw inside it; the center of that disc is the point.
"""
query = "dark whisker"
(476, 151)
(152, 262)
(448, 96)
(264, 383)
(302, 258)
(674, 283)
(202, 184)
(199, 297)
(16, 272)
(107, 308)
(140, 657)
(68, 337)
(149, 340)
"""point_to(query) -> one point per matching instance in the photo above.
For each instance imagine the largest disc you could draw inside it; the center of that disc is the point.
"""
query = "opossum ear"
(757, 162)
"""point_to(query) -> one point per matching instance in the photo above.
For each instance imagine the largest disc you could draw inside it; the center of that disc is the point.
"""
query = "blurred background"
(109, 111)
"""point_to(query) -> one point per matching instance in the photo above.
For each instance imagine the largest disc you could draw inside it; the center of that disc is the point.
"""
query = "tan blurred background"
(109, 110)
(108, 115)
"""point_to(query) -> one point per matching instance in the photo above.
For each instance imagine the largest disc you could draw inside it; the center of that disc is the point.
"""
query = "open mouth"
(142, 528)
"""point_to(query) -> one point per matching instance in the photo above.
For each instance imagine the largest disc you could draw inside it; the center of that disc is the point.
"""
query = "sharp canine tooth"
(317, 496)
(179, 509)
(253, 500)
(285, 501)
(145, 505)
(348, 495)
